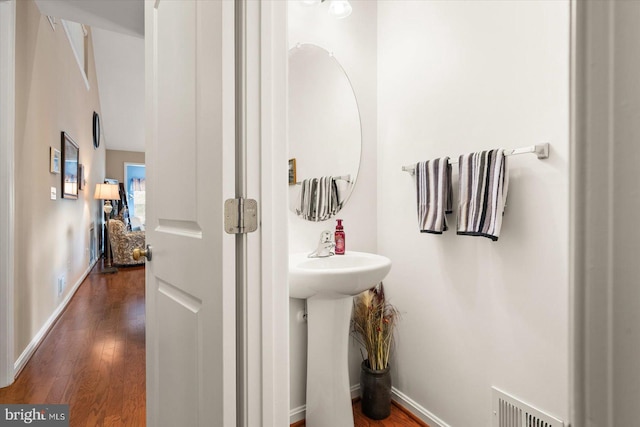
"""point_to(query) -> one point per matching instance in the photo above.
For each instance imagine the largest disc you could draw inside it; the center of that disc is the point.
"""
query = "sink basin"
(337, 276)
(328, 284)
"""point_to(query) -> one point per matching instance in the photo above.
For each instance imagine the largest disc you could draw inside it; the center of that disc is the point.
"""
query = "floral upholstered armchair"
(123, 243)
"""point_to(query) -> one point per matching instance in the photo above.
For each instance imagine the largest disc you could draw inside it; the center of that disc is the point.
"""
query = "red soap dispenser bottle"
(340, 248)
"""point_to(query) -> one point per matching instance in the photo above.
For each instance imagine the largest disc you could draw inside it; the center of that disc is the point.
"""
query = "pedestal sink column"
(329, 285)
(328, 390)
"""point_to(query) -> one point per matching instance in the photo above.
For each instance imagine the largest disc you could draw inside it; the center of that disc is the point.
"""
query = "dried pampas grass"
(372, 325)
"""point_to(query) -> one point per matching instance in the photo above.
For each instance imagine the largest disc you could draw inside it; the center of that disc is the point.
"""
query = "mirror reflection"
(324, 134)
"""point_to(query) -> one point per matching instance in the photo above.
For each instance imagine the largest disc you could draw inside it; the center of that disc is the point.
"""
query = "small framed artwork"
(80, 177)
(70, 156)
(54, 160)
(292, 172)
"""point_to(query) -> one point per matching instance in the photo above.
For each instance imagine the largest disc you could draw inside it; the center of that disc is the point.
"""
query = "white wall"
(119, 60)
(52, 236)
(353, 41)
(456, 77)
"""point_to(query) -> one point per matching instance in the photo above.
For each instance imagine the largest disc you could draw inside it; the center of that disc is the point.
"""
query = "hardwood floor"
(94, 356)
(399, 417)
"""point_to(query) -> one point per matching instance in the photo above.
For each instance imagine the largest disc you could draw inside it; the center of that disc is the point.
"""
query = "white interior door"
(191, 363)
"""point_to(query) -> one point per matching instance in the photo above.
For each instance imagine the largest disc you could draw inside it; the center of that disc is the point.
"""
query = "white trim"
(76, 54)
(299, 413)
(271, 103)
(355, 391)
(42, 333)
(592, 190)
(247, 184)
(576, 308)
(416, 409)
(604, 264)
(7, 189)
(265, 351)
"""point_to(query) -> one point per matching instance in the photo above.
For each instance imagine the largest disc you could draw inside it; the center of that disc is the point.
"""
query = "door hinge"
(240, 216)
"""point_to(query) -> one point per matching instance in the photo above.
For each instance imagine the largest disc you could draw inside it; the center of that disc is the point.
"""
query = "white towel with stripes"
(318, 199)
(433, 185)
(483, 186)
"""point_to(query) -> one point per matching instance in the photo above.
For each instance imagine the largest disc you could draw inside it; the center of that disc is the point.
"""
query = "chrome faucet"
(326, 246)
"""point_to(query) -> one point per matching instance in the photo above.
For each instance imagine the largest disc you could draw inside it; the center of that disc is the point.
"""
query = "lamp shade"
(107, 192)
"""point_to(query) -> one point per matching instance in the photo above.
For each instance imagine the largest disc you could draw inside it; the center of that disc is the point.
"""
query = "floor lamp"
(107, 192)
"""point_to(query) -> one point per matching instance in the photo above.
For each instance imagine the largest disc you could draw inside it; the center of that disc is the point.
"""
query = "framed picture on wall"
(292, 172)
(54, 160)
(70, 156)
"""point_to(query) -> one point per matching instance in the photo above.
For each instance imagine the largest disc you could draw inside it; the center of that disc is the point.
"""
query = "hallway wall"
(115, 160)
(52, 236)
(458, 77)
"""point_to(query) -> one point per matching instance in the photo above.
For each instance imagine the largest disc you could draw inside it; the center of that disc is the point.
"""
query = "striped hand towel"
(318, 199)
(302, 207)
(484, 182)
(433, 185)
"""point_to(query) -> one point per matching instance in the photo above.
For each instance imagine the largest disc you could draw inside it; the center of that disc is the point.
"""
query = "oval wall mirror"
(325, 137)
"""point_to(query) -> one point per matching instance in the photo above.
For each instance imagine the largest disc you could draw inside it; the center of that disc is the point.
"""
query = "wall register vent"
(511, 412)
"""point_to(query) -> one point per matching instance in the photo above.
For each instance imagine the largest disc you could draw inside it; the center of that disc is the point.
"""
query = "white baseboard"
(42, 333)
(411, 405)
(299, 413)
(416, 409)
(355, 391)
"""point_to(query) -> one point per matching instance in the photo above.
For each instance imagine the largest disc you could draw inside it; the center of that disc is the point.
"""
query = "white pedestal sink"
(328, 285)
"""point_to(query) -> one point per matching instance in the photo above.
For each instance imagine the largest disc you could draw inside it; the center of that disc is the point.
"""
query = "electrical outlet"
(61, 283)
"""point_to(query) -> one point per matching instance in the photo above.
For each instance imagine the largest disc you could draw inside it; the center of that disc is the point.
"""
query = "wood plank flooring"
(94, 356)
(400, 417)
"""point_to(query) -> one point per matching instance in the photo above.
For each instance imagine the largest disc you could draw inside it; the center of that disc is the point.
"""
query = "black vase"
(375, 391)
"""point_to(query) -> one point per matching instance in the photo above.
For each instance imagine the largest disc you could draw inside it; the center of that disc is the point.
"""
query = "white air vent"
(511, 412)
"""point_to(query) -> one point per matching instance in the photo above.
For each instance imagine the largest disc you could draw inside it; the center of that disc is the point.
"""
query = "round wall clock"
(96, 130)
